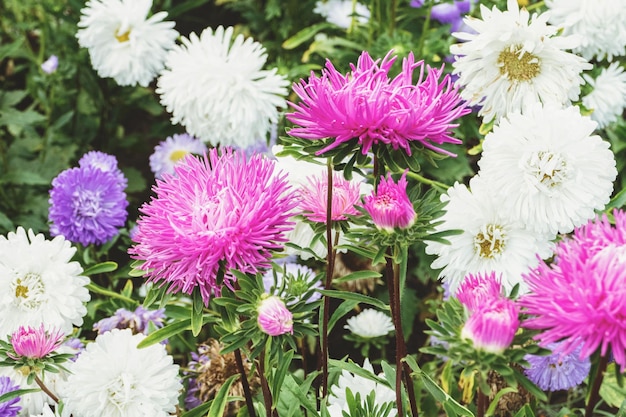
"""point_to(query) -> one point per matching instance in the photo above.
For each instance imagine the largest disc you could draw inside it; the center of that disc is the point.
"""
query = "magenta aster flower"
(274, 317)
(9, 408)
(36, 343)
(557, 371)
(367, 105)
(390, 206)
(87, 205)
(580, 298)
(480, 289)
(314, 198)
(217, 210)
(492, 327)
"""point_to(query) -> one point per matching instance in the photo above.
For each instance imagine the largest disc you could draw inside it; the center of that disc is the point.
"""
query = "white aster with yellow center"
(123, 42)
(514, 61)
(39, 283)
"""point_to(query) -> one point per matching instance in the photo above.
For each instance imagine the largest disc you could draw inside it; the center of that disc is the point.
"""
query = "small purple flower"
(492, 327)
(9, 408)
(274, 317)
(138, 321)
(87, 205)
(103, 162)
(172, 151)
(50, 65)
(198, 361)
(557, 371)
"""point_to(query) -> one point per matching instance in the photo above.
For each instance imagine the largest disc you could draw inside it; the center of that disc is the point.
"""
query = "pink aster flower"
(492, 327)
(314, 198)
(478, 290)
(390, 206)
(218, 210)
(580, 298)
(36, 343)
(274, 317)
(368, 105)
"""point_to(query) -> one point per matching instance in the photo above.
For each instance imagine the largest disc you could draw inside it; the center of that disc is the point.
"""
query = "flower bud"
(274, 317)
(492, 327)
(390, 206)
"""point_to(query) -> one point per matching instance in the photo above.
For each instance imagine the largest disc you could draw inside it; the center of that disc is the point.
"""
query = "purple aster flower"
(103, 162)
(9, 408)
(50, 65)
(220, 211)
(557, 371)
(87, 205)
(417, 3)
(196, 365)
(295, 281)
(172, 151)
(138, 321)
(367, 105)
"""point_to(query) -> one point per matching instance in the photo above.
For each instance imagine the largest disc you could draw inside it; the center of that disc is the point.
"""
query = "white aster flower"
(608, 98)
(215, 86)
(123, 42)
(363, 386)
(171, 151)
(514, 61)
(39, 283)
(46, 412)
(548, 169)
(491, 239)
(113, 378)
(599, 23)
(370, 323)
(339, 12)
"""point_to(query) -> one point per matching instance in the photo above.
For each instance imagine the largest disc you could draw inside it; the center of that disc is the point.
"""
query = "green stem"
(45, 389)
(535, 6)
(424, 180)
(595, 388)
(420, 45)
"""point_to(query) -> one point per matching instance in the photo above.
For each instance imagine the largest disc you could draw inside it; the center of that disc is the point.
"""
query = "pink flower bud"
(274, 317)
(480, 289)
(390, 206)
(492, 327)
(30, 342)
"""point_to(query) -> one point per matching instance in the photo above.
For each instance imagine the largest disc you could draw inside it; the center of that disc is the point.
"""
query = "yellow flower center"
(29, 291)
(548, 169)
(490, 241)
(122, 37)
(518, 65)
(178, 155)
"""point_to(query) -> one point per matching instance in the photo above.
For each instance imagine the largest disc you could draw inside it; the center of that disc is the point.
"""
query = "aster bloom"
(599, 23)
(339, 12)
(172, 150)
(273, 316)
(491, 240)
(390, 206)
(215, 211)
(361, 385)
(314, 198)
(512, 62)
(367, 105)
(296, 281)
(557, 371)
(607, 100)
(39, 283)
(104, 162)
(215, 86)
(369, 323)
(492, 327)
(87, 205)
(9, 408)
(580, 300)
(451, 13)
(139, 321)
(550, 171)
(123, 42)
(36, 343)
(113, 378)
(50, 65)
(478, 290)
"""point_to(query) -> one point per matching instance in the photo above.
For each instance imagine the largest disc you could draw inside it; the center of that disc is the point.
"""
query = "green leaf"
(196, 313)
(492, 407)
(617, 202)
(101, 268)
(23, 177)
(296, 389)
(104, 291)
(343, 309)
(284, 363)
(304, 35)
(185, 7)
(358, 275)
(610, 390)
(221, 399)
(342, 295)
(199, 411)
(17, 393)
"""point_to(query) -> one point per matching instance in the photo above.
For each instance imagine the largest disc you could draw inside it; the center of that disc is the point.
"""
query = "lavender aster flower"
(87, 205)
(8, 408)
(558, 371)
(50, 65)
(103, 162)
(173, 150)
(138, 321)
